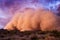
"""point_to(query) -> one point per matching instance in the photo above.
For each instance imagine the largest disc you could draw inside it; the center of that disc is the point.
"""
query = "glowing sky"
(8, 7)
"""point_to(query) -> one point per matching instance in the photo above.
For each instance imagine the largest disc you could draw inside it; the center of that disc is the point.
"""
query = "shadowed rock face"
(34, 19)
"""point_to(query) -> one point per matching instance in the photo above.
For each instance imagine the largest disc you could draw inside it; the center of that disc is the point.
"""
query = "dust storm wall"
(34, 19)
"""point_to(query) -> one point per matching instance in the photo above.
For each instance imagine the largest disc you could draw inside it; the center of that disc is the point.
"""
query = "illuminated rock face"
(34, 19)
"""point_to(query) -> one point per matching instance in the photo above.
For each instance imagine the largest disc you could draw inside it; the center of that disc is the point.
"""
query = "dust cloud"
(30, 19)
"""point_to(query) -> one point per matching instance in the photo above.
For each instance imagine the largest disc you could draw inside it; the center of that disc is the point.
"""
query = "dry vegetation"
(29, 35)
